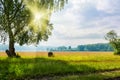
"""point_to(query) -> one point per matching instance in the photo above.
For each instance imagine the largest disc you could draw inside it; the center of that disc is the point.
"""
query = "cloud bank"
(84, 22)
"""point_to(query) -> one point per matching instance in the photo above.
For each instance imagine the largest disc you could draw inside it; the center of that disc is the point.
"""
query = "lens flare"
(36, 20)
(39, 16)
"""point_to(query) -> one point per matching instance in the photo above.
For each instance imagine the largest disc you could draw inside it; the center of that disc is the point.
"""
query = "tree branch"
(1, 1)
(17, 10)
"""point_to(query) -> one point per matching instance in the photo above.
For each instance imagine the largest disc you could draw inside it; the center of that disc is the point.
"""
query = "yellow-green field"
(65, 55)
(63, 66)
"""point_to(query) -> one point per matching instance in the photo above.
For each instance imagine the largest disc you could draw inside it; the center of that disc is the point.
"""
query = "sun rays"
(39, 17)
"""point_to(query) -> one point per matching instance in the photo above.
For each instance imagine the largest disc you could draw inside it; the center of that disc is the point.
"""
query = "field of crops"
(63, 66)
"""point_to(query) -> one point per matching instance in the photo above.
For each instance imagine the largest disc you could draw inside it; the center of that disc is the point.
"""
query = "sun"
(36, 20)
(37, 17)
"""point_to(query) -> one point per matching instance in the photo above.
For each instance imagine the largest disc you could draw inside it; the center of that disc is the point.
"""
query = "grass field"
(63, 66)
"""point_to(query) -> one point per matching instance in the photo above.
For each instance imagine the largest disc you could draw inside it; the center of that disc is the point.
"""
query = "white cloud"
(84, 22)
(109, 6)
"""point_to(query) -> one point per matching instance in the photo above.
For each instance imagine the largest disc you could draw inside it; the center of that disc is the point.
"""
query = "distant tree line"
(95, 47)
(89, 47)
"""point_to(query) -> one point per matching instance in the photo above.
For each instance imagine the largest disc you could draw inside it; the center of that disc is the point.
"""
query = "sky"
(84, 22)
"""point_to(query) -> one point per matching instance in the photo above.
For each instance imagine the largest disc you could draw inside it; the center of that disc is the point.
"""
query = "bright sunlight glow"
(36, 19)
(37, 16)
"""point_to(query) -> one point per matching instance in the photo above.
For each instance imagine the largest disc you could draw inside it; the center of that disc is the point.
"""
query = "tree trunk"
(11, 45)
(11, 48)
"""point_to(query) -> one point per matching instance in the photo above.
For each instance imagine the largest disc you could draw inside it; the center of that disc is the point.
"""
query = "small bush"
(50, 54)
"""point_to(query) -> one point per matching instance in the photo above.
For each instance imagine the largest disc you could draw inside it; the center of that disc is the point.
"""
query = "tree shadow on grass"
(38, 68)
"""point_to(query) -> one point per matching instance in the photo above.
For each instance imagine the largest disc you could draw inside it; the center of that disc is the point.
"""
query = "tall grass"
(61, 64)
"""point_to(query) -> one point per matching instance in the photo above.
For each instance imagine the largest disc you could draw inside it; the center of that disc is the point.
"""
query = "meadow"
(63, 66)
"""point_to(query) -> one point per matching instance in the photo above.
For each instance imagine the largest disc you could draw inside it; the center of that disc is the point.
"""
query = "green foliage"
(23, 24)
(114, 40)
(53, 5)
(15, 18)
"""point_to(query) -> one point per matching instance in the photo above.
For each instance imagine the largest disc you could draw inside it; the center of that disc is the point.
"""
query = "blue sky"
(84, 22)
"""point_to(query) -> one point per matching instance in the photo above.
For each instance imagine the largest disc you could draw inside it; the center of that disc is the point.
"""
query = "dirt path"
(95, 61)
(115, 78)
(57, 76)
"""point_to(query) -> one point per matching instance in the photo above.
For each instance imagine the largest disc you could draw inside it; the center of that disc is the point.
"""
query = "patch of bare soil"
(57, 76)
(115, 78)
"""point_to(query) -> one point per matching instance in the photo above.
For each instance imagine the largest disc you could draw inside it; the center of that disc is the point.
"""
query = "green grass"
(69, 67)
